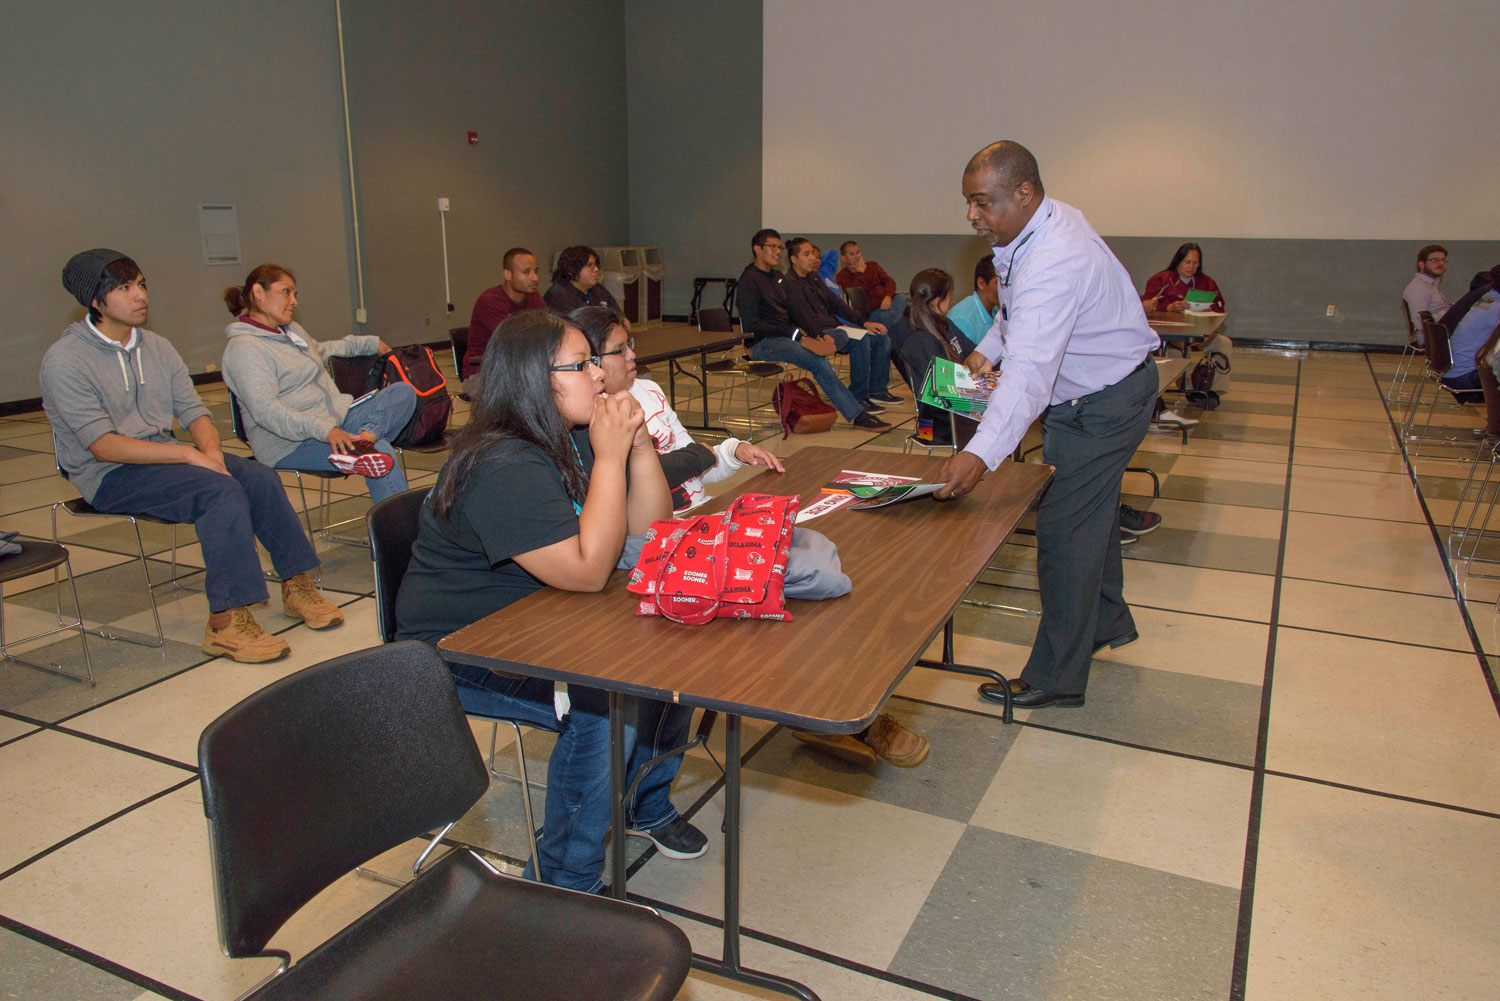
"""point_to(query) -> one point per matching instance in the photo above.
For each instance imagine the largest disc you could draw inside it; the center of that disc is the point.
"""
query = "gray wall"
(116, 126)
(543, 85)
(1274, 289)
(694, 94)
(118, 122)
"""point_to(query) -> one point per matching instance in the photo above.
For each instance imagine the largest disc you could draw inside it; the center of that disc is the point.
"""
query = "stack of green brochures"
(1199, 300)
(949, 386)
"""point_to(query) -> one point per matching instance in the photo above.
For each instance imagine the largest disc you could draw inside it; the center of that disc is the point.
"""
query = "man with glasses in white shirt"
(1424, 291)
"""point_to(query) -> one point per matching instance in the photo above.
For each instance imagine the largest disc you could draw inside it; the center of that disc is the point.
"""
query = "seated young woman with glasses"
(541, 489)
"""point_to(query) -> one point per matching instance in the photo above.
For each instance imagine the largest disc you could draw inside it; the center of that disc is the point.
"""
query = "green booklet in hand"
(949, 386)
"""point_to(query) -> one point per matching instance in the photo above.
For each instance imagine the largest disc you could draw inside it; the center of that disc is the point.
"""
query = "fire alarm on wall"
(473, 138)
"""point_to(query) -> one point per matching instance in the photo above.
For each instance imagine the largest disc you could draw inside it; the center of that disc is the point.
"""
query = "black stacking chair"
(738, 367)
(329, 767)
(458, 339)
(39, 557)
(392, 525)
(858, 300)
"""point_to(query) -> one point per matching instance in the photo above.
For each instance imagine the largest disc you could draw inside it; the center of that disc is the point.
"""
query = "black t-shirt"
(462, 568)
(565, 297)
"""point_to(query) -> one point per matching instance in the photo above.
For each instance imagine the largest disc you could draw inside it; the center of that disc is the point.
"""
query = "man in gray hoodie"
(111, 389)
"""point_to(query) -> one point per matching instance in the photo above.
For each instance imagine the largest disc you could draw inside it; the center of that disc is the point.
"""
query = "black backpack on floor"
(413, 365)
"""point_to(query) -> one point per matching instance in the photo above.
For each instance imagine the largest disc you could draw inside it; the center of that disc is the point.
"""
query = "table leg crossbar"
(949, 664)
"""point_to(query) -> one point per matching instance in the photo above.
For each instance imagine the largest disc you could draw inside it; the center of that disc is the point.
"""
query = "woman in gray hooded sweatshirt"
(295, 417)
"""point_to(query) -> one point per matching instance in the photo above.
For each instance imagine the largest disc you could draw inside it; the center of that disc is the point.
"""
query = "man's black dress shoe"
(1023, 696)
(1118, 641)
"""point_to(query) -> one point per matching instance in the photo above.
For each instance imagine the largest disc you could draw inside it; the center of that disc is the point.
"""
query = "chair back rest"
(858, 300)
(323, 770)
(1411, 329)
(392, 526)
(237, 419)
(715, 320)
(1439, 355)
(357, 375)
(459, 338)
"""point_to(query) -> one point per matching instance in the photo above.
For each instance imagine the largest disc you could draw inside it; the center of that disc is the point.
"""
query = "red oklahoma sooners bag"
(730, 565)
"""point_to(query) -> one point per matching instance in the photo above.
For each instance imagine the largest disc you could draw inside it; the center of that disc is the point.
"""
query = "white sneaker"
(1176, 420)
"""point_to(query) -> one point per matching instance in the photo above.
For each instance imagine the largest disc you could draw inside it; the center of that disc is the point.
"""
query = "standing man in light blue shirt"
(1074, 349)
(976, 313)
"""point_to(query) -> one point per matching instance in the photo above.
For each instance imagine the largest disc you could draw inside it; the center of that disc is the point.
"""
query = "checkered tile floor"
(1288, 788)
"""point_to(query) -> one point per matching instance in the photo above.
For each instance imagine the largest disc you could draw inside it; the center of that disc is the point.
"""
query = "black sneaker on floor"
(867, 421)
(1138, 522)
(884, 398)
(1126, 539)
(871, 404)
(679, 839)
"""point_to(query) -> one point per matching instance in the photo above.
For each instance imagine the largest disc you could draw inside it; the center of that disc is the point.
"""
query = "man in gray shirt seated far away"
(1424, 291)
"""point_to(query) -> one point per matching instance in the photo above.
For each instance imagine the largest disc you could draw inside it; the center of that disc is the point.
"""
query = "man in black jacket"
(814, 307)
(766, 315)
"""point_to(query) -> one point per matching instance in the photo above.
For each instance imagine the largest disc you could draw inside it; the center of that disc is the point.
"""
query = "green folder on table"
(949, 386)
(1195, 295)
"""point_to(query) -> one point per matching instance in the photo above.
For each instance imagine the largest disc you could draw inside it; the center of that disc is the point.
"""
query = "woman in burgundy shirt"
(1167, 290)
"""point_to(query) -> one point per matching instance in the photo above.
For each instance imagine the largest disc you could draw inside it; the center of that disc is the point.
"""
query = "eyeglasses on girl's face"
(578, 366)
(629, 345)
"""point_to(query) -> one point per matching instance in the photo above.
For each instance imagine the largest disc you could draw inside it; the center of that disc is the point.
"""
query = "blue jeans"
(785, 349)
(385, 413)
(576, 816)
(228, 512)
(899, 302)
(869, 361)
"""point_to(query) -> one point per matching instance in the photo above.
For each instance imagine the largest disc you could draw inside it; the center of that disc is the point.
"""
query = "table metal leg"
(617, 795)
(673, 368)
(949, 664)
(729, 967)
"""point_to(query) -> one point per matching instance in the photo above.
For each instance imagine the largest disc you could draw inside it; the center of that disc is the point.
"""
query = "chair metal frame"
(324, 478)
(742, 367)
(61, 558)
(458, 342)
(1409, 354)
(1439, 363)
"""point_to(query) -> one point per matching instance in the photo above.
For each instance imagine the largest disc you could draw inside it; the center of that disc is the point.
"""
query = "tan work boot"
(301, 599)
(897, 744)
(243, 640)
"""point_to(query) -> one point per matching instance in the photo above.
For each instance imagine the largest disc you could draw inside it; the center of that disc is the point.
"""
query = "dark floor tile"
(113, 593)
(1225, 431)
(6, 452)
(119, 668)
(1166, 710)
(1221, 491)
(1013, 918)
(30, 971)
(116, 536)
(1229, 405)
(1202, 549)
(966, 751)
(346, 568)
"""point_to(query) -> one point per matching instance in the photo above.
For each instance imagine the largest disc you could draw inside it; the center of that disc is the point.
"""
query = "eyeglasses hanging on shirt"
(1010, 265)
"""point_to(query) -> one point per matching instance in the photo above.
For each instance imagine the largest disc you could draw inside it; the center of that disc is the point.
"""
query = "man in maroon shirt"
(880, 287)
(517, 293)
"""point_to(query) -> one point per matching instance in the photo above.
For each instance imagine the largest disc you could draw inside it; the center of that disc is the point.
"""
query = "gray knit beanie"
(83, 272)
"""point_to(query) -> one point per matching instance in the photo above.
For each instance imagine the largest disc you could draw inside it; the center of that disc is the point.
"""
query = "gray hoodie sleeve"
(251, 374)
(186, 405)
(351, 346)
(73, 396)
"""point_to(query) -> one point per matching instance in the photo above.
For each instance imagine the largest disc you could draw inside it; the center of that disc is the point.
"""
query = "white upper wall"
(1341, 119)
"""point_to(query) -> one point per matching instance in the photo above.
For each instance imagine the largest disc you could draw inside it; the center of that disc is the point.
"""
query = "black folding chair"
(39, 557)
(392, 525)
(329, 767)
